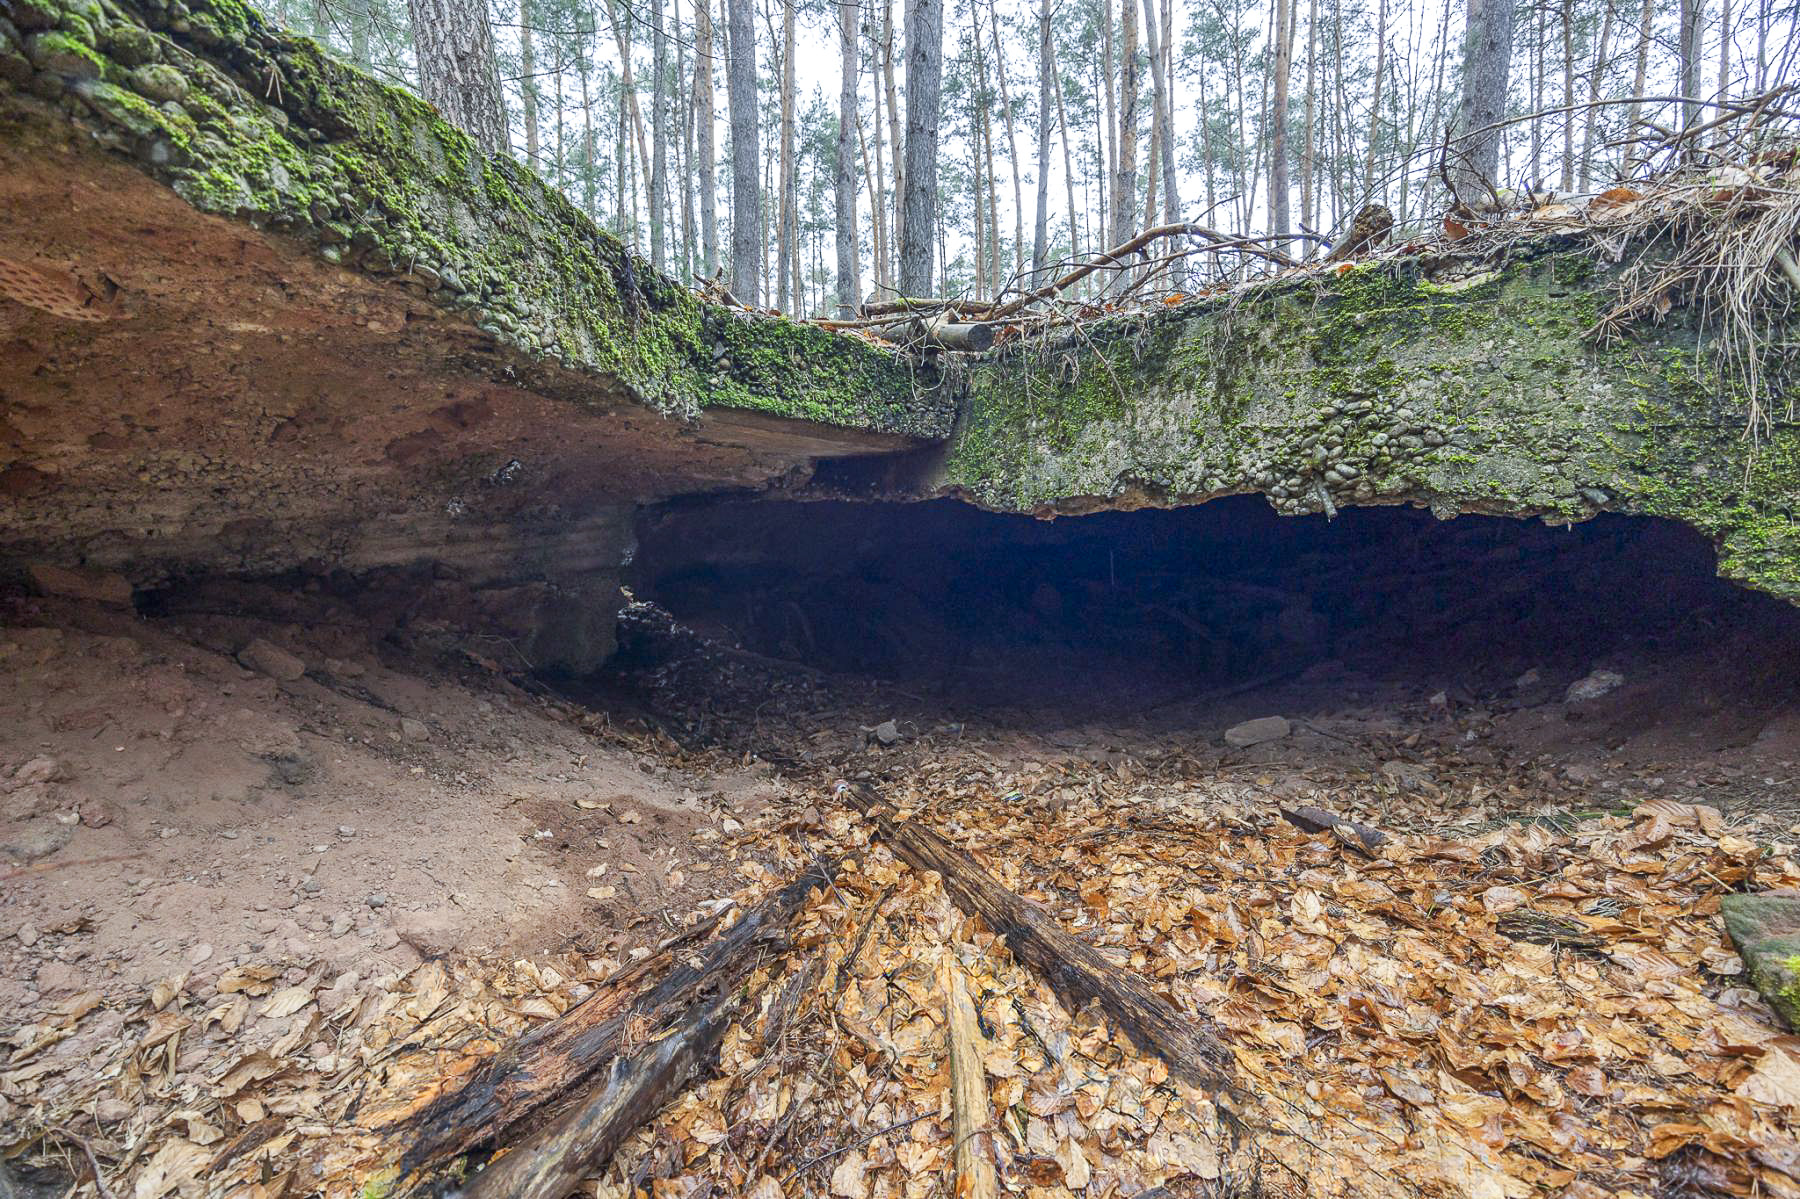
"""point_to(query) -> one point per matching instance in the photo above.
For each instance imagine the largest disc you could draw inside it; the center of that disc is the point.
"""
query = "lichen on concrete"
(1474, 387)
(251, 123)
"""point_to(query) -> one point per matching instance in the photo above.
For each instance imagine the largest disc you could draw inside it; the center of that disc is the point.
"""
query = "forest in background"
(768, 142)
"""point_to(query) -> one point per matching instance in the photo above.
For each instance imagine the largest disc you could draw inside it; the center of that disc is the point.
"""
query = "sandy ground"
(167, 811)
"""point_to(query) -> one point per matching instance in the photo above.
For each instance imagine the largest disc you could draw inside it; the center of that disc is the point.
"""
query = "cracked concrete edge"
(1479, 391)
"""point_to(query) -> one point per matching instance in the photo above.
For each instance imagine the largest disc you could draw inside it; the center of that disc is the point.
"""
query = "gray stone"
(414, 730)
(30, 840)
(378, 899)
(886, 733)
(1255, 732)
(270, 659)
(160, 82)
(1594, 686)
(1765, 928)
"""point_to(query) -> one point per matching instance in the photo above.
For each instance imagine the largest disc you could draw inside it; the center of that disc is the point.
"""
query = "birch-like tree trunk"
(528, 89)
(1124, 201)
(659, 126)
(703, 137)
(847, 272)
(1040, 228)
(457, 70)
(1280, 221)
(787, 269)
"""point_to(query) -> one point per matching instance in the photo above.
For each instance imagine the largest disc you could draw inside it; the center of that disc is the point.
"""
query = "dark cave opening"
(1138, 608)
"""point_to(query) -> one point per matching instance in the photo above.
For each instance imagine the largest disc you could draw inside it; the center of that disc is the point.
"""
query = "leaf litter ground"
(1528, 1007)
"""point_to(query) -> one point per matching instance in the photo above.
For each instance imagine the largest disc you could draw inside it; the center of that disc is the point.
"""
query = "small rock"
(200, 953)
(1529, 679)
(28, 936)
(1593, 686)
(100, 586)
(114, 1111)
(887, 733)
(160, 82)
(433, 932)
(378, 899)
(311, 886)
(37, 770)
(1255, 732)
(34, 839)
(414, 730)
(1765, 928)
(341, 924)
(271, 660)
(1407, 776)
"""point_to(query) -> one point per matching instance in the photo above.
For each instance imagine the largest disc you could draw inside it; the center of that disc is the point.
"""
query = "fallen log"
(940, 331)
(971, 1111)
(1077, 973)
(1318, 820)
(552, 1161)
(540, 1070)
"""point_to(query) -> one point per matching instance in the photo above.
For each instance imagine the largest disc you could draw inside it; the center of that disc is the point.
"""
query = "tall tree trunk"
(1724, 49)
(924, 84)
(1124, 205)
(659, 125)
(1062, 121)
(847, 273)
(1381, 55)
(621, 160)
(980, 202)
(1164, 107)
(1308, 107)
(896, 235)
(1280, 221)
(1111, 134)
(1590, 119)
(528, 83)
(683, 99)
(457, 70)
(1487, 55)
(703, 137)
(787, 267)
(1568, 101)
(361, 19)
(746, 195)
(1692, 15)
(1040, 228)
(877, 178)
(629, 91)
(590, 180)
(1537, 95)
(1012, 140)
(872, 172)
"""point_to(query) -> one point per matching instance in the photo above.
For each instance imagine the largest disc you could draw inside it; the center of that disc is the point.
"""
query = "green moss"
(65, 53)
(1376, 386)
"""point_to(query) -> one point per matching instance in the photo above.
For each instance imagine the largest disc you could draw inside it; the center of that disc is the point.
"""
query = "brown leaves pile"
(1532, 1010)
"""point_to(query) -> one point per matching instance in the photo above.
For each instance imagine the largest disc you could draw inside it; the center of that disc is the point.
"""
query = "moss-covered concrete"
(1477, 390)
(257, 125)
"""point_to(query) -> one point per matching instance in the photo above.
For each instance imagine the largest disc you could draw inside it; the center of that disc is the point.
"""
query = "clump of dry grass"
(1722, 238)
